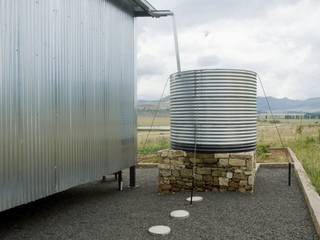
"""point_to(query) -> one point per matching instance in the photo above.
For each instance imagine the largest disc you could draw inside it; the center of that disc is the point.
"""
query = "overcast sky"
(279, 39)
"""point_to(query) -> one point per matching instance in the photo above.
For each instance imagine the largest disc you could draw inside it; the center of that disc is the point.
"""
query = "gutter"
(153, 12)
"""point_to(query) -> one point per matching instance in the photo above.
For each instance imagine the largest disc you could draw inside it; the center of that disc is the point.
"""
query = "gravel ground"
(99, 211)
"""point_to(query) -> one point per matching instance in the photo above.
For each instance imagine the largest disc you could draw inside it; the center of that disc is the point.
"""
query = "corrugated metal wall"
(67, 95)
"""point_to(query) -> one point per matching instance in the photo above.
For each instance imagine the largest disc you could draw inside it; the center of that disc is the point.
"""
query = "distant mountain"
(288, 105)
(277, 105)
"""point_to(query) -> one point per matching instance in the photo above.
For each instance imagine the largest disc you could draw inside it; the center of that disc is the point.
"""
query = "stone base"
(212, 171)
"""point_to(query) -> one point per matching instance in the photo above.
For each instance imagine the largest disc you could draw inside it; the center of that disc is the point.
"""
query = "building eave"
(143, 8)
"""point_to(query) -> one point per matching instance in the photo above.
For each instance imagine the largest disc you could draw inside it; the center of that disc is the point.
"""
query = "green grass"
(154, 145)
(147, 153)
(307, 150)
(159, 121)
(303, 137)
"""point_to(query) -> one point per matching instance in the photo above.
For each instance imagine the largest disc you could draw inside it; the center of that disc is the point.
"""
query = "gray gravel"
(99, 211)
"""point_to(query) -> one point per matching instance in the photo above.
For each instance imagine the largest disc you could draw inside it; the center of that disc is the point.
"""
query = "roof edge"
(150, 11)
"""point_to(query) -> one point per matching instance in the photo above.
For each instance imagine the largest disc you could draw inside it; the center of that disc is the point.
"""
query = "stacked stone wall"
(211, 171)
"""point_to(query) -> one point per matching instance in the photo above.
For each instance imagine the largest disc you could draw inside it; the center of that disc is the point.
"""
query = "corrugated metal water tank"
(213, 110)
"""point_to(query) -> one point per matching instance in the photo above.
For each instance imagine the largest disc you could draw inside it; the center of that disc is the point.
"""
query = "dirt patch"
(276, 155)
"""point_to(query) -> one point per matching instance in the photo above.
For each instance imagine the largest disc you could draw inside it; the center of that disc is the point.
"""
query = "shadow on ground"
(99, 211)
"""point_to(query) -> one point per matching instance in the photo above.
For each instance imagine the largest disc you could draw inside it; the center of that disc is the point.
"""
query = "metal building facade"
(67, 95)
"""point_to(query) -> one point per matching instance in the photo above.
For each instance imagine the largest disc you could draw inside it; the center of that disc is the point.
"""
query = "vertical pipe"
(289, 173)
(120, 183)
(133, 176)
(192, 190)
(176, 43)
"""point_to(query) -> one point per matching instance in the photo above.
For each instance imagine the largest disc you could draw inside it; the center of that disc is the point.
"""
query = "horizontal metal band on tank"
(224, 141)
(220, 143)
(215, 128)
(204, 120)
(180, 95)
(222, 131)
(215, 107)
(215, 137)
(214, 148)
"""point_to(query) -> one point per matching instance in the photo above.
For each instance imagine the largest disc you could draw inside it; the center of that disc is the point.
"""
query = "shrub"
(274, 121)
(299, 130)
(310, 140)
(263, 151)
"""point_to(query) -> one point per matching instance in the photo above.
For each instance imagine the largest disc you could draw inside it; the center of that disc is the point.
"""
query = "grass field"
(302, 136)
(158, 121)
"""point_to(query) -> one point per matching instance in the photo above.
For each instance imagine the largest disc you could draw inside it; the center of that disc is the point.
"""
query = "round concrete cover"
(179, 214)
(159, 230)
(195, 199)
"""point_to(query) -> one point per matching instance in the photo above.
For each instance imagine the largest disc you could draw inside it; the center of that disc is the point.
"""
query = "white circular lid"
(195, 199)
(159, 230)
(179, 214)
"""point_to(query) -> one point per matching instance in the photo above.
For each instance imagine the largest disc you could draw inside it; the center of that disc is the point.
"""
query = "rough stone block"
(243, 183)
(215, 173)
(203, 170)
(176, 173)
(250, 165)
(251, 180)
(164, 166)
(206, 155)
(176, 153)
(223, 173)
(239, 176)
(237, 162)
(176, 161)
(223, 181)
(210, 160)
(180, 183)
(195, 160)
(165, 160)
(188, 184)
(223, 162)
(234, 184)
(243, 156)
(178, 166)
(198, 177)
(207, 178)
(163, 153)
(216, 181)
(186, 172)
(165, 173)
(222, 155)
(229, 174)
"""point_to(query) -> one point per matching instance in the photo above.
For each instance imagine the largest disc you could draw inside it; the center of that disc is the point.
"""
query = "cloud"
(277, 39)
(208, 61)
(149, 66)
